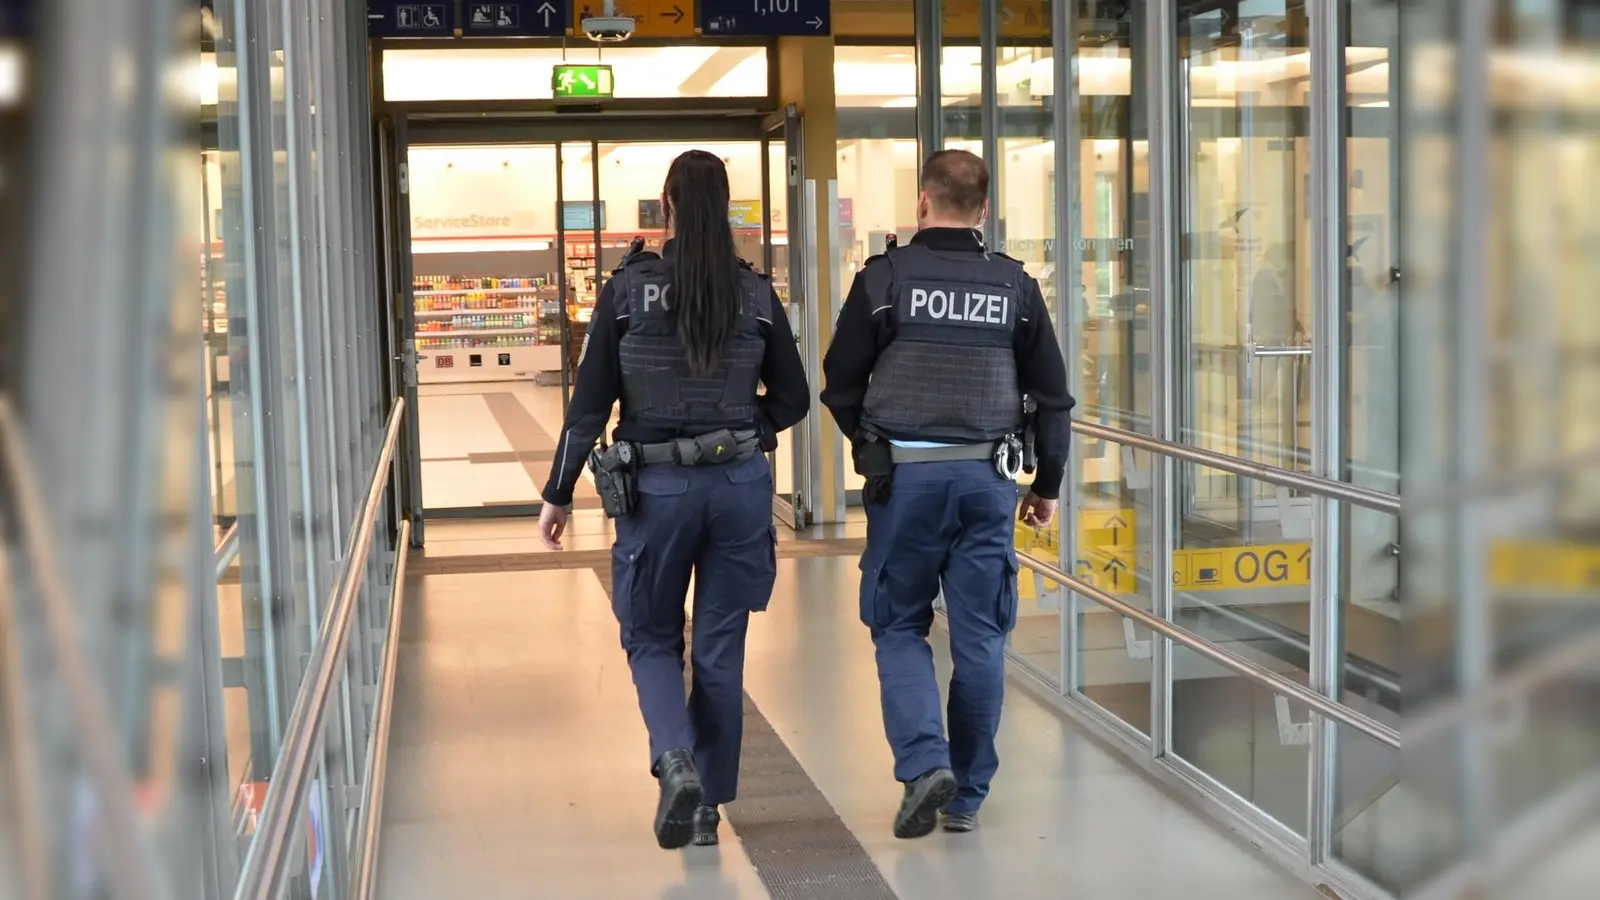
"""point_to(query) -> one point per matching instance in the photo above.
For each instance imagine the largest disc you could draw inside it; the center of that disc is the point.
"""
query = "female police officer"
(682, 339)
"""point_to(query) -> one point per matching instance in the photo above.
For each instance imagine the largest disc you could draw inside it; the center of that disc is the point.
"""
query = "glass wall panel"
(961, 75)
(1106, 308)
(877, 160)
(1256, 601)
(214, 317)
(1024, 170)
(1378, 829)
(1243, 369)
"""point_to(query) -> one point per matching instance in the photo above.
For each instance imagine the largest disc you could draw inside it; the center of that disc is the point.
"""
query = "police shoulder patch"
(583, 350)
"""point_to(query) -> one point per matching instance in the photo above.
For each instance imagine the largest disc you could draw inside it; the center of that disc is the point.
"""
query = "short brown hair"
(957, 181)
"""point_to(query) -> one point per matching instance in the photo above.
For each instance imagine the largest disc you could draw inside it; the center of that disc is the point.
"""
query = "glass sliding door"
(487, 311)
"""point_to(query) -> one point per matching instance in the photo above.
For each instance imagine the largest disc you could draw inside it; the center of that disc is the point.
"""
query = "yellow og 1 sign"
(1230, 568)
(1106, 542)
(1545, 566)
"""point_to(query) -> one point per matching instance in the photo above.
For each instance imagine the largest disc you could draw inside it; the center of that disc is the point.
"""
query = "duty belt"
(957, 453)
(707, 450)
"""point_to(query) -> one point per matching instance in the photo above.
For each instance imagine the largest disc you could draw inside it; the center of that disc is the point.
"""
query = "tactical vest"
(657, 386)
(950, 374)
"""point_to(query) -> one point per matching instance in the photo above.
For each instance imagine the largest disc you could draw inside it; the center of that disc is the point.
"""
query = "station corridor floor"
(518, 768)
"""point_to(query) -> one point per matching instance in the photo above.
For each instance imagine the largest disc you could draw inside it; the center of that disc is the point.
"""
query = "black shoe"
(919, 811)
(706, 820)
(680, 795)
(960, 823)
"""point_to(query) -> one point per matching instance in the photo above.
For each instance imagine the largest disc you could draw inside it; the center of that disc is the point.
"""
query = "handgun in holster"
(616, 478)
(1030, 431)
(871, 454)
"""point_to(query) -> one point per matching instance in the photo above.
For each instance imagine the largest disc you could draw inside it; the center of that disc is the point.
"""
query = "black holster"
(874, 461)
(616, 478)
(1030, 431)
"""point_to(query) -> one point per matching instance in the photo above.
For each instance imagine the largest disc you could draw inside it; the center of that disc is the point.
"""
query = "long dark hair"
(706, 296)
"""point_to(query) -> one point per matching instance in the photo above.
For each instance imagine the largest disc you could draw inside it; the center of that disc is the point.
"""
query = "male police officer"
(936, 347)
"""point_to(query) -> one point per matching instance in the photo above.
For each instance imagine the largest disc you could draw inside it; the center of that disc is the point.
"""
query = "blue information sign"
(766, 18)
(516, 18)
(410, 18)
(16, 18)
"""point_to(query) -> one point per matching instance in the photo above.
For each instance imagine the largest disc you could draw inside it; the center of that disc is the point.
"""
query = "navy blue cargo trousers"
(716, 522)
(945, 524)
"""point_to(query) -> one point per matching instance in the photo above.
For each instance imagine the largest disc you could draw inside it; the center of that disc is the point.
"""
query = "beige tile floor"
(517, 764)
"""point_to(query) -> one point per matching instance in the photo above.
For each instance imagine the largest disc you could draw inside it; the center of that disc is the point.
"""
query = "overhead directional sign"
(766, 18)
(652, 18)
(489, 18)
(407, 18)
(521, 18)
(16, 18)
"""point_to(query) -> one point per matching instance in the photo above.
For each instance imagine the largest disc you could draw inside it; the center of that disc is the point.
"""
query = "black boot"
(680, 796)
(925, 796)
(706, 820)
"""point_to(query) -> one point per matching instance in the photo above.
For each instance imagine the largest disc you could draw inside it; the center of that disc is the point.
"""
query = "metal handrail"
(1261, 675)
(267, 861)
(1311, 484)
(227, 549)
(364, 883)
(127, 854)
(1246, 445)
(37, 878)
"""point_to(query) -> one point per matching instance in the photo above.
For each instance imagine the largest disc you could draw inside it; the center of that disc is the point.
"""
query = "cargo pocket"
(628, 585)
(874, 605)
(766, 577)
(1006, 603)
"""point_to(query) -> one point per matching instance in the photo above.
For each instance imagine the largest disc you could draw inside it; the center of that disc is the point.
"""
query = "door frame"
(422, 130)
(787, 128)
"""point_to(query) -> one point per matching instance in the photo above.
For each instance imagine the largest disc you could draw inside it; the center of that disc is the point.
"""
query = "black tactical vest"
(950, 374)
(657, 387)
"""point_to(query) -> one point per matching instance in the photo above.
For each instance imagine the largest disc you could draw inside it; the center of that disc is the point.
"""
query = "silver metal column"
(1069, 327)
(1161, 109)
(1329, 35)
(929, 24)
(989, 113)
(1469, 385)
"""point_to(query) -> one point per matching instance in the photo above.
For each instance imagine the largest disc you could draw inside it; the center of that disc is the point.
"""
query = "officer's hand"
(552, 524)
(1037, 511)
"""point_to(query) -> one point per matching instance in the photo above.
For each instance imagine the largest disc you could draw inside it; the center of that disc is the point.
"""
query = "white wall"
(459, 192)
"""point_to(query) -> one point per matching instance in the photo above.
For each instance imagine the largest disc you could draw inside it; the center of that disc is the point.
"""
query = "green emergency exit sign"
(581, 82)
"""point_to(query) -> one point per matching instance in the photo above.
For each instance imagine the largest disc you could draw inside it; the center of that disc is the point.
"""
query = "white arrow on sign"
(816, 22)
(547, 11)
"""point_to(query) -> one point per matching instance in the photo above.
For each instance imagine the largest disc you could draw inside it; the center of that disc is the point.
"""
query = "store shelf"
(486, 292)
(475, 332)
(463, 311)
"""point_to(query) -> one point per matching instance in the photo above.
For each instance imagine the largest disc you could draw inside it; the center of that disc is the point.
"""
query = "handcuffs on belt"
(1008, 457)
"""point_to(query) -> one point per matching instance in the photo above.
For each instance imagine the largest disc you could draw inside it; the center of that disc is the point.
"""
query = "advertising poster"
(744, 214)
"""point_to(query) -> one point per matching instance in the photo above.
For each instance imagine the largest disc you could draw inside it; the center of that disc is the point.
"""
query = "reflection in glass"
(1244, 373)
(1255, 600)
(877, 157)
(1105, 310)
